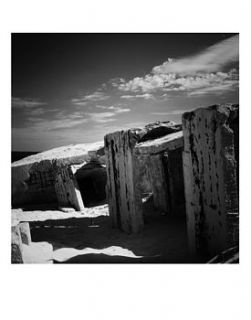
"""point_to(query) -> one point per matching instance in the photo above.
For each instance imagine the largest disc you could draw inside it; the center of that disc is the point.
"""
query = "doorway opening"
(91, 179)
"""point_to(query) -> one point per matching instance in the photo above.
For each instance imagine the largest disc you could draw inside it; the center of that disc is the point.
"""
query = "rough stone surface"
(163, 163)
(210, 176)
(67, 189)
(25, 232)
(124, 196)
(171, 141)
(16, 245)
(34, 178)
(126, 153)
(159, 182)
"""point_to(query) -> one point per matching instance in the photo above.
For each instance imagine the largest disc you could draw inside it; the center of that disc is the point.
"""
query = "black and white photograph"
(125, 148)
(125, 160)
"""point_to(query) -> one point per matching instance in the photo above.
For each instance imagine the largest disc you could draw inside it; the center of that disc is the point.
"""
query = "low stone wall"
(33, 184)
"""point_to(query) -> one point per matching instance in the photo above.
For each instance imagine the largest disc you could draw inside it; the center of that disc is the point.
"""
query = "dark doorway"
(91, 180)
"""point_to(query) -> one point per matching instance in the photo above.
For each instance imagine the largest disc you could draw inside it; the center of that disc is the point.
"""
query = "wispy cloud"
(94, 97)
(61, 121)
(79, 102)
(210, 60)
(173, 112)
(36, 112)
(101, 117)
(192, 75)
(116, 109)
(26, 103)
(108, 115)
(144, 96)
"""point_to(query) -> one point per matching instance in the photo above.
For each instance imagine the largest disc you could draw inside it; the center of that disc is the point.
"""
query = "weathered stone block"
(25, 232)
(67, 189)
(16, 245)
(123, 191)
(210, 175)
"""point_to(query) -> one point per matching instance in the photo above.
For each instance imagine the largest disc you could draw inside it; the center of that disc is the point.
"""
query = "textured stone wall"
(175, 181)
(34, 184)
(67, 189)
(20, 234)
(136, 164)
(163, 164)
(159, 182)
(33, 178)
(123, 189)
(210, 176)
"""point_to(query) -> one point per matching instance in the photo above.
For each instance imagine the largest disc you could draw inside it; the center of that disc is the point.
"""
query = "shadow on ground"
(93, 240)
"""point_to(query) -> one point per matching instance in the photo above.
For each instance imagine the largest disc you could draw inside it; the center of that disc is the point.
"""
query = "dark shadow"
(91, 180)
(102, 258)
(39, 206)
(163, 240)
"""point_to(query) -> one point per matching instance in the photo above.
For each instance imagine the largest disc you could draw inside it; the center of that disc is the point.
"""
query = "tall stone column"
(123, 188)
(210, 176)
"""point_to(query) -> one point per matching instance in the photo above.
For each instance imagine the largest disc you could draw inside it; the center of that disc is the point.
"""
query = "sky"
(75, 88)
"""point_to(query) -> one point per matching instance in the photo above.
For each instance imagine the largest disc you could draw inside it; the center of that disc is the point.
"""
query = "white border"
(125, 291)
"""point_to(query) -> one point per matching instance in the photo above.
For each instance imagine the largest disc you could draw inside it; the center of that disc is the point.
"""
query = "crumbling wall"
(126, 153)
(67, 189)
(33, 184)
(47, 178)
(210, 177)
(124, 196)
(164, 166)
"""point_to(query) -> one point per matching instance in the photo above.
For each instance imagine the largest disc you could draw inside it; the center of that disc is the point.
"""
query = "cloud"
(197, 73)
(210, 60)
(174, 82)
(36, 112)
(173, 112)
(61, 121)
(144, 96)
(79, 102)
(115, 109)
(101, 117)
(107, 116)
(26, 103)
(94, 97)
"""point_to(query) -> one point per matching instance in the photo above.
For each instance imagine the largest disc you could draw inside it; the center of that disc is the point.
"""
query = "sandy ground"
(78, 237)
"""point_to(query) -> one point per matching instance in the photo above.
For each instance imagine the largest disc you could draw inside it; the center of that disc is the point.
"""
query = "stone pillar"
(210, 176)
(123, 187)
(67, 190)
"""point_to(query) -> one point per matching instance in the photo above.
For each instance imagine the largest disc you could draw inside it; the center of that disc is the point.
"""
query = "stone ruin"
(72, 176)
(131, 156)
(211, 177)
(191, 170)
